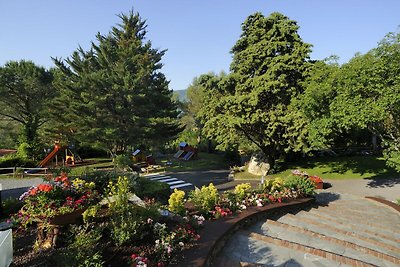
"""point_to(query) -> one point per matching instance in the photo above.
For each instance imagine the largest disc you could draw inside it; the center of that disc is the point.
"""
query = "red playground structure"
(67, 160)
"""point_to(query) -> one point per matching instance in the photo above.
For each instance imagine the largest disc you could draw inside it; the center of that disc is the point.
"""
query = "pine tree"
(115, 94)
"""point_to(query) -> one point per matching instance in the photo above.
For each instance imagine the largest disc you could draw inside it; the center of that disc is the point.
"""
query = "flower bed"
(122, 230)
(319, 184)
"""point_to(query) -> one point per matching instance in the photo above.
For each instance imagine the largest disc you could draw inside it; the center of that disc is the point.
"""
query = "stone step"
(327, 229)
(307, 249)
(384, 235)
(370, 211)
(250, 251)
(392, 227)
(319, 241)
(390, 216)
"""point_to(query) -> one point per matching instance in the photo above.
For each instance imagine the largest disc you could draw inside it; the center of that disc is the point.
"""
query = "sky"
(198, 35)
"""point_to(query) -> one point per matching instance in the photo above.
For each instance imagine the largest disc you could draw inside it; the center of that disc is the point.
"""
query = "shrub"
(122, 161)
(241, 190)
(10, 206)
(304, 185)
(146, 188)
(205, 198)
(271, 185)
(177, 202)
(102, 178)
(14, 160)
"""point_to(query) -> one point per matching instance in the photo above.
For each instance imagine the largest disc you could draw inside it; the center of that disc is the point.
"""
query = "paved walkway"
(341, 230)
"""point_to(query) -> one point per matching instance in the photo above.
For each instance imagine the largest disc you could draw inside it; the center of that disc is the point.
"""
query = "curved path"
(340, 230)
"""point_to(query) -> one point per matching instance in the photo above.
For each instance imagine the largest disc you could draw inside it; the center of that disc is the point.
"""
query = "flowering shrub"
(177, 202)
(241, 190)
(220, 212)
(167, 244)
(205, 198)
(56, 197)
(315, 179)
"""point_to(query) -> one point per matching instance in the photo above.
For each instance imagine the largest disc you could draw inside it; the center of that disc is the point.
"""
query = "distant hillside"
(182, 94)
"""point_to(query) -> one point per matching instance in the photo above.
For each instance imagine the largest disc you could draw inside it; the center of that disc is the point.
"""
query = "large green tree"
(115, 93)
(26, 90)
(363, 94)
(269, 64)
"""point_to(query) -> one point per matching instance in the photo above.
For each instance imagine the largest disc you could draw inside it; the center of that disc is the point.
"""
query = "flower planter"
(68, 218)
(319, 185)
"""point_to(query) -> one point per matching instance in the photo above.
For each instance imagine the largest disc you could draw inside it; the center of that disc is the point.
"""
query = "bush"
(122, 161)
(177, 202)
(271, 185)
(241, 191)
(304, 185)
(204, 199)
(145, 188)
(14, 160)
(102, 178)
(10, 206)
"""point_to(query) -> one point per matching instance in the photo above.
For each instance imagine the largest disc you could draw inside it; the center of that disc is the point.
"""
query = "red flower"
(45, 187)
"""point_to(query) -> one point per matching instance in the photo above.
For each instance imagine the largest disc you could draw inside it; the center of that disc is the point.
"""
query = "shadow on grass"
(372, 167)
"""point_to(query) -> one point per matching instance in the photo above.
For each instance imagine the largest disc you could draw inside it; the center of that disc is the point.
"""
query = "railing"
(22, 172)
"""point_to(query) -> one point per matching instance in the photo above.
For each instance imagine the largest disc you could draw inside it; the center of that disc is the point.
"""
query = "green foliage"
(15, 160)
(10, 206)
(205, 198)
(146, 188)
(303, 185)
(26, 90)
(272, 185)
(254, 102)
(115, 94)
(85, 247)
(122, 161)
(128, 221)
(241, 190)
(9, 130)
(176, 202)
(362, 95)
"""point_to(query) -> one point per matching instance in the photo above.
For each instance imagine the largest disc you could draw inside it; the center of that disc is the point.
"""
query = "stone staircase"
(346, 231)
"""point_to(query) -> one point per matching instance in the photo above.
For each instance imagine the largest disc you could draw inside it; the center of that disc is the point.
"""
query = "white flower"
(181, 244)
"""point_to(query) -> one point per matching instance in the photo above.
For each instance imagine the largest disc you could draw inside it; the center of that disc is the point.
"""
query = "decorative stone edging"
(215, 233)
(386, 202)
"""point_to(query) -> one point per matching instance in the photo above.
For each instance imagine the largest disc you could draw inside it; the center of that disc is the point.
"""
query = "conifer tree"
(115, 93)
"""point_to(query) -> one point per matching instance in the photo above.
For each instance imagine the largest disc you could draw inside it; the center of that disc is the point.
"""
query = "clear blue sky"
(197, 34)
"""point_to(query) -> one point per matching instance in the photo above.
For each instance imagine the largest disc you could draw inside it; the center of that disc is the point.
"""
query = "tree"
(363, 94)
(26, 90)
(254, 102)
(115, 93)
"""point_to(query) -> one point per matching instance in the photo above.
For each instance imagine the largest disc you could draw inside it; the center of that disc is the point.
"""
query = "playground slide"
(49, 157)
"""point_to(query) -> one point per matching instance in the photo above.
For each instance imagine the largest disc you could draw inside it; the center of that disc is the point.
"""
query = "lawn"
(98, 163)
(204, 161)
(355, 167)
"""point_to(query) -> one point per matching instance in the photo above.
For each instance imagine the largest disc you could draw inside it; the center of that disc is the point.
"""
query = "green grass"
(92, 163)
(204, 161)
(356, 167)
(246, 176)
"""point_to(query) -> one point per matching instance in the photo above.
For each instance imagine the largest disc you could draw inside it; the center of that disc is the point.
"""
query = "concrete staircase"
(344, 231)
